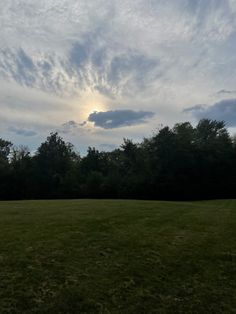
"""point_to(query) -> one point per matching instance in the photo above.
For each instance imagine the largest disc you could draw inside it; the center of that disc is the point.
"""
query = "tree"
(91, 162)
(183, 162)
(214, 157)
(5, 149)
(53, 160)
(5, 183)
(21, 173)
(132, 169)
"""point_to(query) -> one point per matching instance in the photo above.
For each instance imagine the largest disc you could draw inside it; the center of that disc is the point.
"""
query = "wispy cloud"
(226, 92)
(22, 131)
(160, 56)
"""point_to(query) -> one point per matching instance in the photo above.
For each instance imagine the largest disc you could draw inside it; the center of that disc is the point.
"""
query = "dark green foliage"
(106, 256)
(184, 162)
(5, 148)
(21, 167)
(54, 162)
(5, 179)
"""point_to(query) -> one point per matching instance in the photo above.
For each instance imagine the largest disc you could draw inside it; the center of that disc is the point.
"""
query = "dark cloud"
(71, 127)
(224, 110)
(224, 91)
(196, 108)
(83, 123)
(22, 132)
(71, 123)
(119, 118)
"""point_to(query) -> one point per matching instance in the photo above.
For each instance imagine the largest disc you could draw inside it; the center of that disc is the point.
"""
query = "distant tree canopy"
(184, 162)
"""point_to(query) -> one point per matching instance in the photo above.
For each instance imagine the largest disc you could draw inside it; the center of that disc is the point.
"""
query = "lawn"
(113, 256)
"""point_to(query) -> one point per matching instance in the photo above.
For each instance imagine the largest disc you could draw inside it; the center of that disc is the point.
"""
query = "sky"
(99, 71)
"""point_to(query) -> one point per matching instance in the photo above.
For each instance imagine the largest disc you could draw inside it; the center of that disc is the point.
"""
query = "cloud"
(72, 127)
(88, 65)
(226, 92)
(87, 51)
(40, 70)
(224, 110)
(132, 71)
(109, 70)
(119, 118)
(22, 131)
(157, 55)
(69, 127)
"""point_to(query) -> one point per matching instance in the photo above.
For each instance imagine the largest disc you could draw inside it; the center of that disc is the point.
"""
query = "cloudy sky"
(100, 70)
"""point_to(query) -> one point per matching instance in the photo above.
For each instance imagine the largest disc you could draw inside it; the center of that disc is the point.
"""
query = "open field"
(95, 256)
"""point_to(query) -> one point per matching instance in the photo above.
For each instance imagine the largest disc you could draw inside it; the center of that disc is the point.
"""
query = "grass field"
(95, 256)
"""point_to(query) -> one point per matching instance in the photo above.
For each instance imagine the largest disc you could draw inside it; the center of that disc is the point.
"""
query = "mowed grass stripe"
(117, 256)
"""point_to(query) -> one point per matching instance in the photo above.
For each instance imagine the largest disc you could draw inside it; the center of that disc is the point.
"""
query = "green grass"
(95, 256)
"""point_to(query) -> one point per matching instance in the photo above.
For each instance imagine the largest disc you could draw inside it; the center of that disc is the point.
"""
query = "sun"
(88, 103)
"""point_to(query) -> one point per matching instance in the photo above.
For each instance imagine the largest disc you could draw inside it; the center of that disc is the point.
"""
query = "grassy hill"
(104, 256)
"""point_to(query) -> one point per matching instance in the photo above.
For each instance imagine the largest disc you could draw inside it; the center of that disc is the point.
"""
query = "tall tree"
(21, 173)
(5, 182)
(53, 161)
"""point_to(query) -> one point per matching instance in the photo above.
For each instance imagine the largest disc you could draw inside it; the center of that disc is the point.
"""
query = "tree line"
(179, 163)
